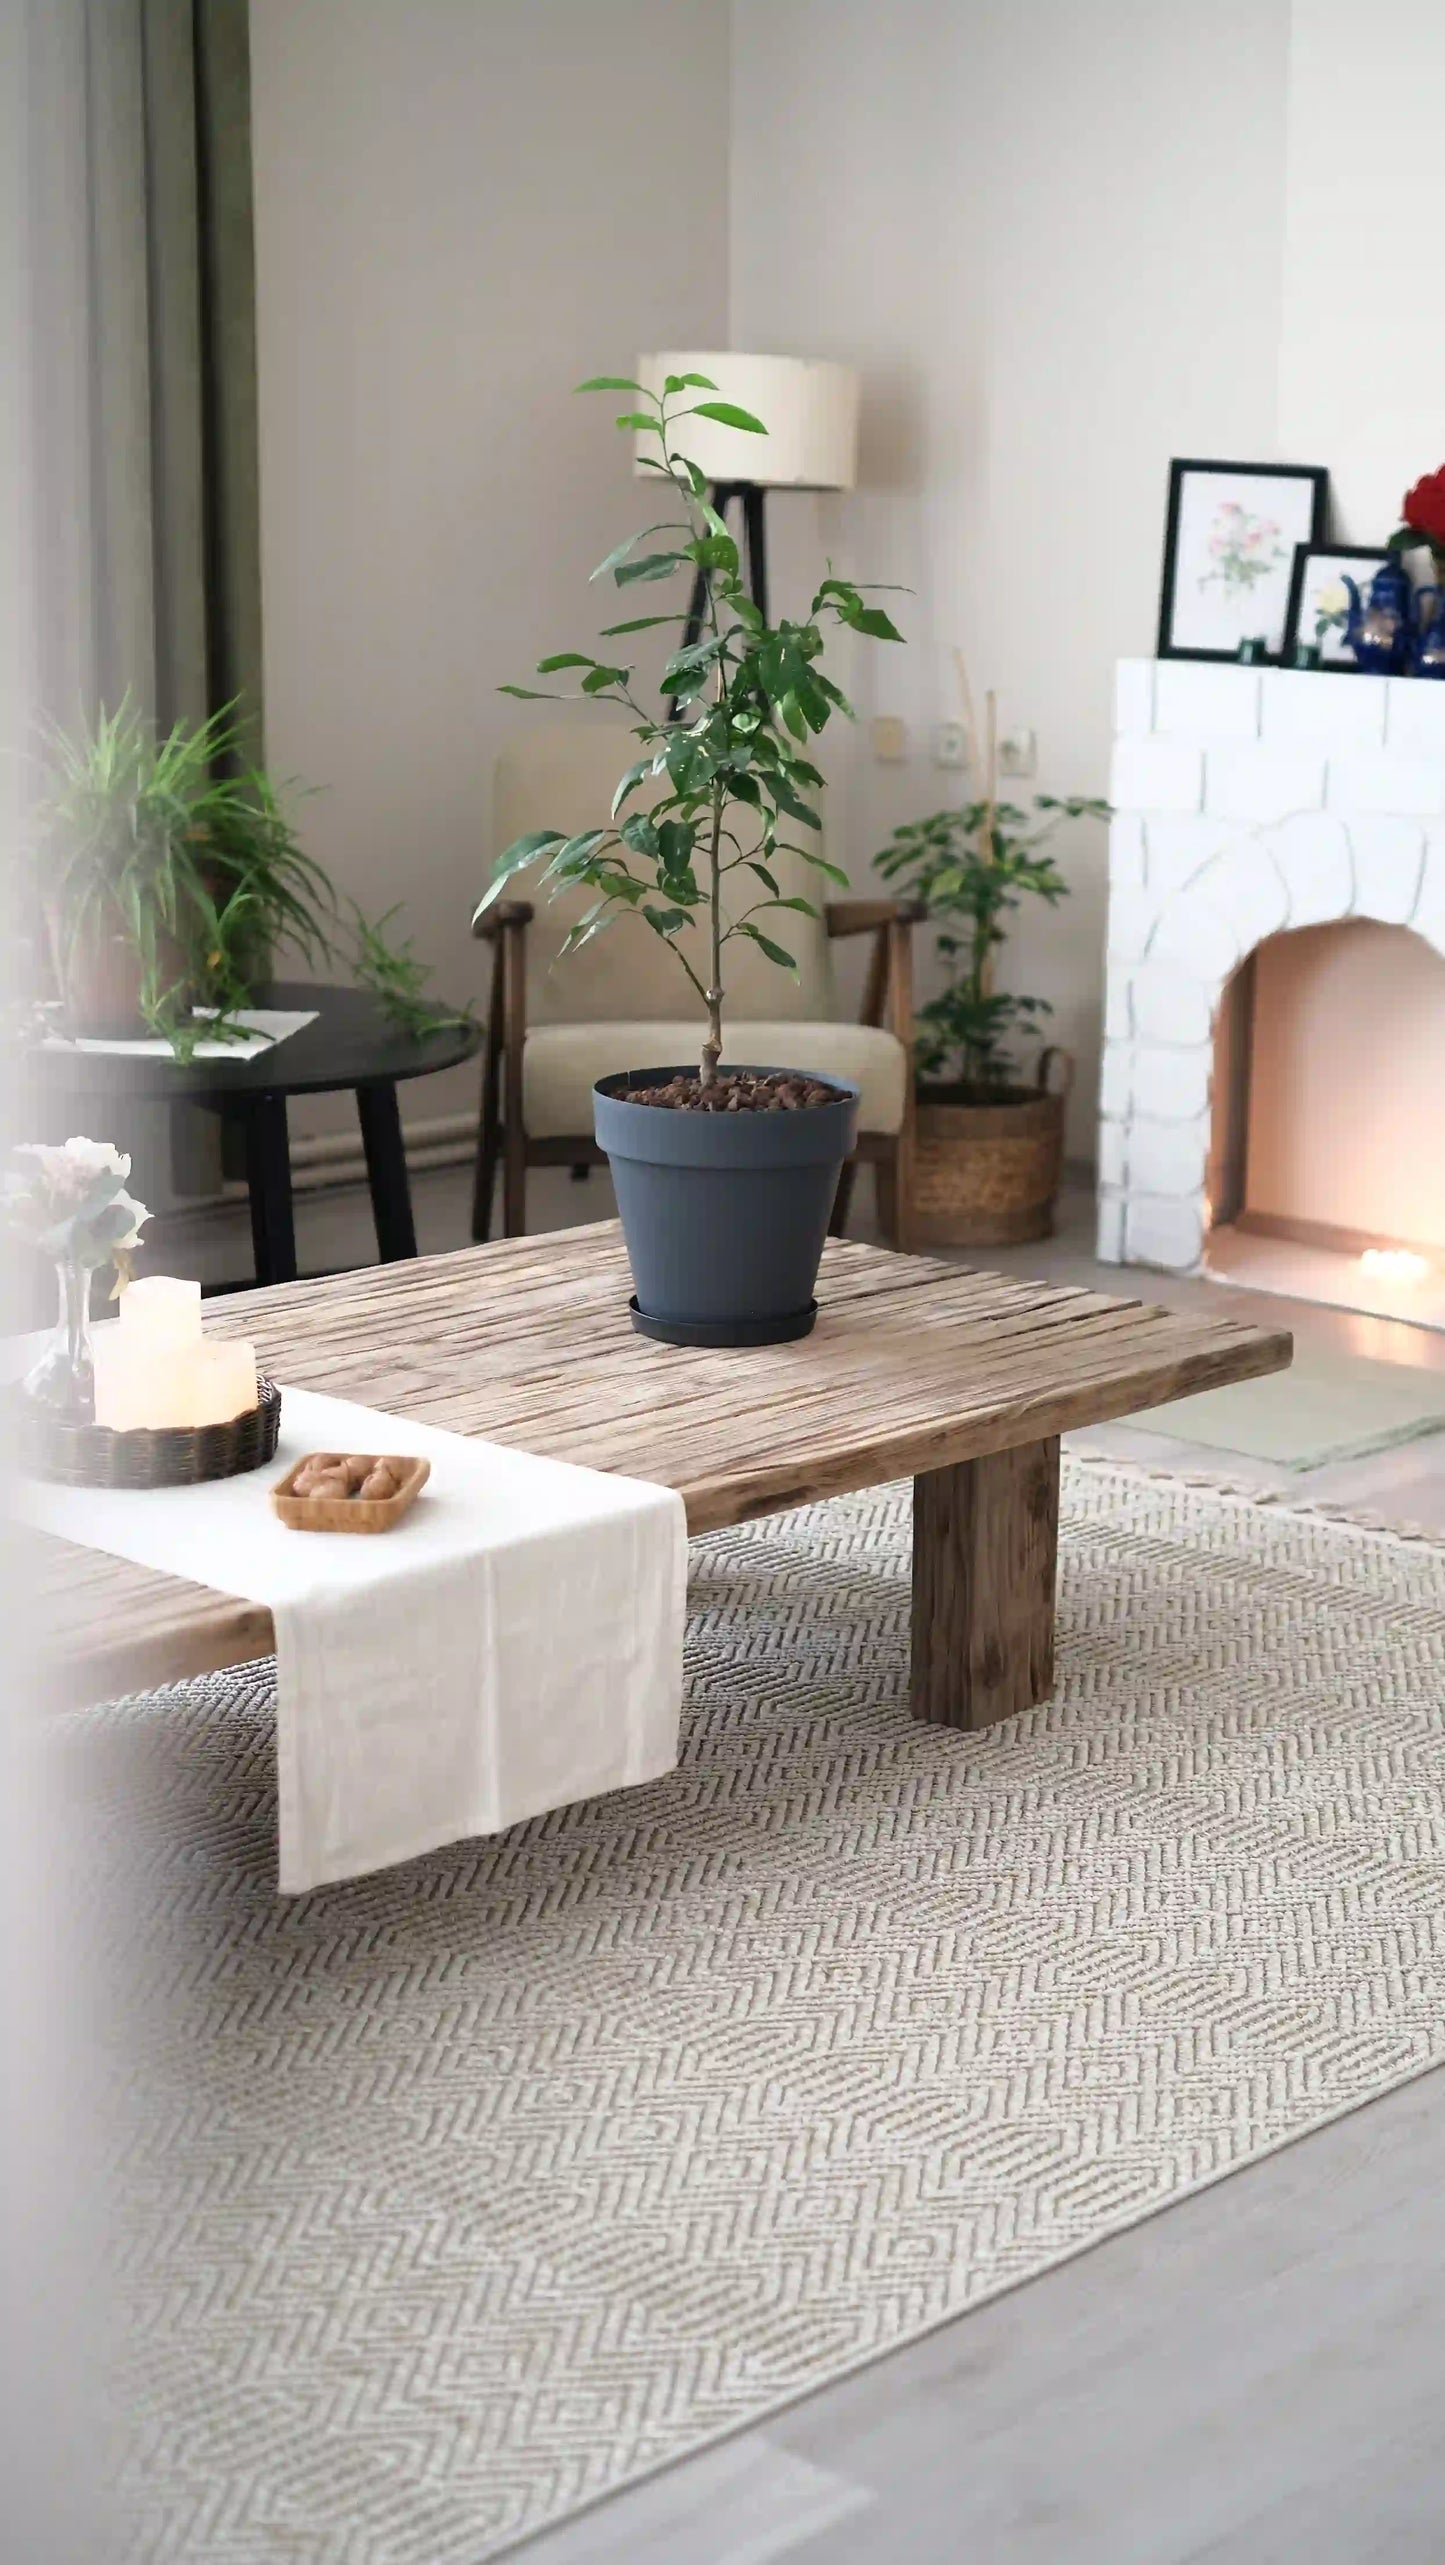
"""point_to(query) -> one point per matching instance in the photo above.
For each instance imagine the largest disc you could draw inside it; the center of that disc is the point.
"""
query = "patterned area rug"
(458, 2196)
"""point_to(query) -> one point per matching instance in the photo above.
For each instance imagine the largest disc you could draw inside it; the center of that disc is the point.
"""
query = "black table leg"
(386, 1171)
(268, 1175)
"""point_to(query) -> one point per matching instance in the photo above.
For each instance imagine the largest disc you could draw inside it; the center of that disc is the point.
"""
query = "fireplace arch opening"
(1326, 1171)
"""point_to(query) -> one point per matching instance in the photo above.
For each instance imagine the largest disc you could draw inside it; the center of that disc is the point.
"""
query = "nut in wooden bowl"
(349, 1491)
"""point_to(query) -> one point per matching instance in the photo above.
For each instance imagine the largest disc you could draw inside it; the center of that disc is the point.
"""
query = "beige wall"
(1065, 240)
(1347, 1081)
(1049, 236)
(462, 207)
(1362, 355)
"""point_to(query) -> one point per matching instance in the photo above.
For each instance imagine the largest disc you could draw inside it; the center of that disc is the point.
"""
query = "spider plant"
(173, 871)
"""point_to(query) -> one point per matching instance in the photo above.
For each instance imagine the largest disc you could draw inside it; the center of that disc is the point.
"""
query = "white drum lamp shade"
(810, 410)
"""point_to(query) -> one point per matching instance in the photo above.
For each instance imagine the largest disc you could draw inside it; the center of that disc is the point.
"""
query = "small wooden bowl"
(350, 1513)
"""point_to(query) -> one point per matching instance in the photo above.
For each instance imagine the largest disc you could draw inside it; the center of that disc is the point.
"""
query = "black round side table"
(349, 1043)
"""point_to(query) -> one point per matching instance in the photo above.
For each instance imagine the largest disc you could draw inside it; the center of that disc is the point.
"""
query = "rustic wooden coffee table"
(963, 1381)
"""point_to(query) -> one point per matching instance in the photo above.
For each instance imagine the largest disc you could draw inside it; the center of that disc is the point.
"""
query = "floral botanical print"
(1243, 549)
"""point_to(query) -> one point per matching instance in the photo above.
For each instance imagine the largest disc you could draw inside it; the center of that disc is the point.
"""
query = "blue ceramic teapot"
(1381, 628)
(1427, 634)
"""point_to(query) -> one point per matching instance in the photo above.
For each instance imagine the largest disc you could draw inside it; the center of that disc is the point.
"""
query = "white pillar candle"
(157, 1369)
(162, 1309)
(139, 1384)
(222, 1381)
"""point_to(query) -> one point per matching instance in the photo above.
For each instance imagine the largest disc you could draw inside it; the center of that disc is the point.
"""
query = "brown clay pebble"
(738, 1091)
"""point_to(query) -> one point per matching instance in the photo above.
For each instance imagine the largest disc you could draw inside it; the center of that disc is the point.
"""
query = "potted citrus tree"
(989, 1134)
(725, 1172)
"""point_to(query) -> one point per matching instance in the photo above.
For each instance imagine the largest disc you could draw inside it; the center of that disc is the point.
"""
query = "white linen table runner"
(514, 1644)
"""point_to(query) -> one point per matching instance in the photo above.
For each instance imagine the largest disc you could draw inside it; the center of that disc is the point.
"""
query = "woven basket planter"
(987, 1175)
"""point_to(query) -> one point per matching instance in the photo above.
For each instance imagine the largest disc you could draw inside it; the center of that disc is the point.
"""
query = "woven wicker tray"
(146, 1456)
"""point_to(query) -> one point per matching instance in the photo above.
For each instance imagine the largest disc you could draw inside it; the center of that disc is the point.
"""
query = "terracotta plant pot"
(987, 1175)
(99, 976)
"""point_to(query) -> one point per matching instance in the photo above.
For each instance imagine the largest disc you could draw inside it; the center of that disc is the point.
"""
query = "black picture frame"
(1359, 556)
(1310, 480)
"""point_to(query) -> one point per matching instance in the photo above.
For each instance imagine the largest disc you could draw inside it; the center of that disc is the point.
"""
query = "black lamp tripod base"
(755, 541)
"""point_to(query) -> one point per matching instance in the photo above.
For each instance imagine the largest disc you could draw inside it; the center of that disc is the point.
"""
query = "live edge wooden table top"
(961, 1380)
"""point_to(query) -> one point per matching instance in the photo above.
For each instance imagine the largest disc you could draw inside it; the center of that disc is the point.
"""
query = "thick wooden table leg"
(985, 1552)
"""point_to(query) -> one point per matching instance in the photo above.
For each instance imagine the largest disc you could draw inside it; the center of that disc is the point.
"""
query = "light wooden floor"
(1256, 2377)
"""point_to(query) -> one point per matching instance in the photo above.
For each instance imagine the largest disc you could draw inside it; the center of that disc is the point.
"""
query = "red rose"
(1424, 509)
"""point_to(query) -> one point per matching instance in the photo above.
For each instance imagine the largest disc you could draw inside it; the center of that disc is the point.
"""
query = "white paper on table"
(258, 1029)
(514, 1644)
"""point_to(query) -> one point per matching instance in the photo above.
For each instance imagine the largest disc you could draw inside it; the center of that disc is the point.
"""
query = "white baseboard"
(337, 1158)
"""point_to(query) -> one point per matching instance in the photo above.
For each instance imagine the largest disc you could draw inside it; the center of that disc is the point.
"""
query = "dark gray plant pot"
(724, 1214)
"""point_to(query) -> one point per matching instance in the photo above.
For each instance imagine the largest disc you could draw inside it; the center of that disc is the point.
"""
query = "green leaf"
(640, 419)
(565, 659)
(576, 852)
(611, 383)
(821, 864)
(640, 834)
(786, 799)
(665, 921)
(523, 850)
(872, 620)
(653, 565)
(601, 678)
(768, 880)
(727, 414)
(774, 952)
(638, 623)
(621, 550)
(676, 839)
(714, 551)
(630, 782)
(689, 383)
(532, 694)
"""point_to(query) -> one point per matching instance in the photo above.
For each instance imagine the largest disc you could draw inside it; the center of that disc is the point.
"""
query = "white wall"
(1048, 234)
(1065, 240)
(462, 208)
(1362, 352)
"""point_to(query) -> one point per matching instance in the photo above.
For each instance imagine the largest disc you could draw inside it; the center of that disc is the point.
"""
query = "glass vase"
(63, 1381)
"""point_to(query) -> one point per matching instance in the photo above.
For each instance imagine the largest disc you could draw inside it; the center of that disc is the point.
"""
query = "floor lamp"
(810, 411)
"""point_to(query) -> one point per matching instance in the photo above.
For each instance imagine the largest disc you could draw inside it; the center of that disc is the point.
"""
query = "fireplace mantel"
(1246, 801)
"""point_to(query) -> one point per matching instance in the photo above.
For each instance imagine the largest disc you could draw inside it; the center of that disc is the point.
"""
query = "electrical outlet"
(1018, 753)
(890, 738)
(950, 744)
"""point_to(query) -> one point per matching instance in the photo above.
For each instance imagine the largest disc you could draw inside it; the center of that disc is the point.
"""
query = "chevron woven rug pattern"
(458, 2195)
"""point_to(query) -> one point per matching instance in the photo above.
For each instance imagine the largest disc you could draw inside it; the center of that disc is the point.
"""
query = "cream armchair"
(553, 1029)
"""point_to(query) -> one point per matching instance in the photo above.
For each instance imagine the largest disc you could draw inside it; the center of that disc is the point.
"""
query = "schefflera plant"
(740, 706)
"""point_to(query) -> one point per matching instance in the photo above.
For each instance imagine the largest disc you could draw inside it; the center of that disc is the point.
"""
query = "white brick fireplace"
(1247, 801)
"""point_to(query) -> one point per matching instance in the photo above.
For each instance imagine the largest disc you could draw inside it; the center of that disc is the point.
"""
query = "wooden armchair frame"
(887, 1001)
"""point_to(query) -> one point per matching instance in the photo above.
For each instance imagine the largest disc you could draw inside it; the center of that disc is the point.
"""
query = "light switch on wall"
(950, 744)
(1018, 753)
(890, 738)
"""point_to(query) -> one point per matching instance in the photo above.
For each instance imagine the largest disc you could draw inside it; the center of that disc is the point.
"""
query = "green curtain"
(137, 560)
(175, 540)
